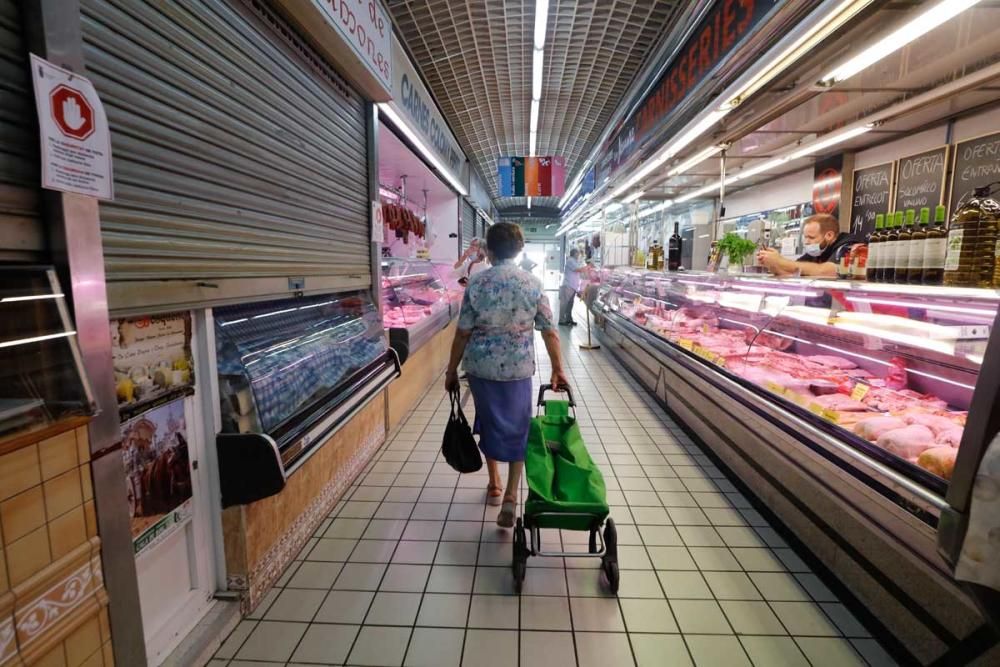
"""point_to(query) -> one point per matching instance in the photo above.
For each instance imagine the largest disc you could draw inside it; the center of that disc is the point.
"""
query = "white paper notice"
(378, 223)
(788, 247)
(76, 141)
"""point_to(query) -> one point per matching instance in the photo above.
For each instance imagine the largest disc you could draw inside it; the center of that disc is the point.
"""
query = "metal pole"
(372, 128)
(52, 28)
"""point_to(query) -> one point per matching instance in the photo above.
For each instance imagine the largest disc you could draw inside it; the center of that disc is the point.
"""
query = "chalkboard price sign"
(977, 163)
(869, 197)
(920, 180)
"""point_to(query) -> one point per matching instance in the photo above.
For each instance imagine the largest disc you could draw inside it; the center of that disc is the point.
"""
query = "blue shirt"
(502, 307)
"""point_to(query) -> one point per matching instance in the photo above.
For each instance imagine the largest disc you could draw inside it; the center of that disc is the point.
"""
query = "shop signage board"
(355, 34)
(157, 473)
(713, 40)
(920, 180)
(977, 163)
(536, 176)
(75, 138)
(828, 185)
(413, 102)
(870, 194)
(152, 360)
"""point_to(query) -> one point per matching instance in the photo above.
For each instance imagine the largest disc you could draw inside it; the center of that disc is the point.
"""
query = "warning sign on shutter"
(76, 141)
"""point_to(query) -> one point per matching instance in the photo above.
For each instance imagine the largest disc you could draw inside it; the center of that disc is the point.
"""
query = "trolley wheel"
(610, 569)
(519, 566)
(611, 539)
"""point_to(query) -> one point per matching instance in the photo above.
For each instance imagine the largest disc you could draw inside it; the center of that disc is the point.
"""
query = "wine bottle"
(935, 249)
(674, 249)
(918, 236)
(875, 249)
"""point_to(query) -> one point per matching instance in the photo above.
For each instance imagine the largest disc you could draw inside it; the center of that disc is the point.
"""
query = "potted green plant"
(736, 248)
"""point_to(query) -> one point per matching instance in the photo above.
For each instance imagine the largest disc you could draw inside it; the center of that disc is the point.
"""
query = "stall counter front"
(843, 405)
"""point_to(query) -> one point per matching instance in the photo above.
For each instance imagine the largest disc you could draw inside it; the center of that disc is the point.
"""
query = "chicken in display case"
(415, 303)
(293, 370)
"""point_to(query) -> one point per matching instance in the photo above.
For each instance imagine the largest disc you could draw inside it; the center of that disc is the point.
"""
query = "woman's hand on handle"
(558, 381)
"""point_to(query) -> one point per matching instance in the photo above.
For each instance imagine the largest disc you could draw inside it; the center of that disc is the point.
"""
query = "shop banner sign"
(158, 473)
(413, 102)
(869, 197)
(977, 164)
(364, 26)
(75, 138)
(152, 360)
(713, 40)
(543, 176)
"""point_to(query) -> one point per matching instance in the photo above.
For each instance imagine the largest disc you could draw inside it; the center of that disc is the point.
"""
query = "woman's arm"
(457, 352)
(551, 339)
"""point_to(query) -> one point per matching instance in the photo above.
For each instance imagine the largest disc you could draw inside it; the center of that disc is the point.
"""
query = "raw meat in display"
(952, 437)
(831, 361)
(896, 377)
(874, 427)
(841, 403)
(823, 387)
(935, 423)
(768, 340)
(907, 442)
(938, 460)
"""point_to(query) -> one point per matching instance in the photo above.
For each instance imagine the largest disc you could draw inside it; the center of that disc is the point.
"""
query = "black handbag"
(459, 447)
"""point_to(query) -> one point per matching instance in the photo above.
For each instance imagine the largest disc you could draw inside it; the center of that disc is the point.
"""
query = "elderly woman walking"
(500, 310)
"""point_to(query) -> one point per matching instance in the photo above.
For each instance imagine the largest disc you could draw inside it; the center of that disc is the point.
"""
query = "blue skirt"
(503, 414)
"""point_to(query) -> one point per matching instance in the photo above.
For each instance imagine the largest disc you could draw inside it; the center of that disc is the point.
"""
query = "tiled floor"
(410, 569)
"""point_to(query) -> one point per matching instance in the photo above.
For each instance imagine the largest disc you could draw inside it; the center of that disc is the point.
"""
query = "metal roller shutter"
(468, 223)
(240, 157)
(21, 234)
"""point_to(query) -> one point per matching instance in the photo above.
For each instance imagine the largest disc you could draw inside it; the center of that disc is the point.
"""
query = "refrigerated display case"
(292, 371)
(857, 412)
(416, 304)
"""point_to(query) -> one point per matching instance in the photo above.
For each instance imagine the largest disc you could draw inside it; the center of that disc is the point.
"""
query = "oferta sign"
(413, 103)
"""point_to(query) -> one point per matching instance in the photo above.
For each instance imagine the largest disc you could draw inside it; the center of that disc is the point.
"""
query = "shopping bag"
(459, 447)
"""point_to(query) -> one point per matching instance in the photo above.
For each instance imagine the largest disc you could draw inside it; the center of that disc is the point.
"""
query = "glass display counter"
(889, 370)
(43, 380)
(416, 302)
(291, 369)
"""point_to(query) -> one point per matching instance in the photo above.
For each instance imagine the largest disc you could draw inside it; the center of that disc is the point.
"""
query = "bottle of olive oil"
(875, 249)
(903, 248)
(892, 249)
(972, 237)
(918, 236)
(935, 249)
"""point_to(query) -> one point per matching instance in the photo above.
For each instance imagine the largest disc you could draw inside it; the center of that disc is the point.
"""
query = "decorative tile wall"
(53, 606)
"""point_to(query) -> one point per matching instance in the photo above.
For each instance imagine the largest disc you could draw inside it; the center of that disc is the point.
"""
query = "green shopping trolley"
(565, 491)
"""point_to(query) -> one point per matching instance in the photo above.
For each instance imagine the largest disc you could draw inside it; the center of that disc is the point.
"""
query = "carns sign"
(714, 38)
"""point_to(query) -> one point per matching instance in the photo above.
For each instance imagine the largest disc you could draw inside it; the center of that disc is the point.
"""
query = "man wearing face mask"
(822, 238)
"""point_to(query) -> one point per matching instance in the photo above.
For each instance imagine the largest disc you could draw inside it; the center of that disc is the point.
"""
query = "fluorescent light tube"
(529, 203)
(753, 171)
(693, 161)
(698, 193)
(910, 31)
(662, 206)
(537, 63)
(532, 140)
(541, 19)
(632, 197)
(534, 116)
(828, 141)
(419, 145)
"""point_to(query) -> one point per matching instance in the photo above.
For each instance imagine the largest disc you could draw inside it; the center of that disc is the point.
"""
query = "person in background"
(472, 261)
(821, 238)
(570, 286)
(526, 263)
(495, 344)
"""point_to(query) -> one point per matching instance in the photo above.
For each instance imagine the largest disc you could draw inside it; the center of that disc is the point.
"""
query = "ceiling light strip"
(419, 145)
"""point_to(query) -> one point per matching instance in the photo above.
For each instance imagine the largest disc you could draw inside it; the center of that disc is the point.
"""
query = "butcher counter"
(857, 413)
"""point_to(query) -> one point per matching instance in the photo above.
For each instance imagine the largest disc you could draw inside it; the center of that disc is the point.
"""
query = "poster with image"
(157, 472)
(152, 360)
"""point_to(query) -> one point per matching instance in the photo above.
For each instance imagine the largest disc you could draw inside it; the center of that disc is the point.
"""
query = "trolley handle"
(547, 387)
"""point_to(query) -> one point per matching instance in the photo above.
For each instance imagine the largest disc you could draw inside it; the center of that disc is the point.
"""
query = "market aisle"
(411, 568)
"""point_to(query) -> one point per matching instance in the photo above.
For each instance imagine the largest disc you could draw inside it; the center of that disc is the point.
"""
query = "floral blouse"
(501, 307)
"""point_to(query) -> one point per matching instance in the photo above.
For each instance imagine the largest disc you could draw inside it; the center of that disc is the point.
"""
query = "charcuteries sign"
(715, 38)
(412, 101)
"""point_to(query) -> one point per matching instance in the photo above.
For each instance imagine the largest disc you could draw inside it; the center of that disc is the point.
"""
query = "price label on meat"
(830, 415)
(775, 388)
(859, 391)
(816, 408)
(686, 343)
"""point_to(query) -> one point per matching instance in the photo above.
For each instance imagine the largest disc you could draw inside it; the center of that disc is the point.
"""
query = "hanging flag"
(518, 163)
(531, 184)
(558, 176)
(544, 177)
(505, 172)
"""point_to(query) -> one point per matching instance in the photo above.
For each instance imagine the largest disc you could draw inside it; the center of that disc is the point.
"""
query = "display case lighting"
(419, 145)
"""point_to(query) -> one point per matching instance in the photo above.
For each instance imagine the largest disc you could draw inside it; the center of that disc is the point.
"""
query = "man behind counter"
(821, 238)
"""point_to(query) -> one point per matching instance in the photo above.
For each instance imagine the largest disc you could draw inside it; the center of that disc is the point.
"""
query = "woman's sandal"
(506, 517)
(494, 494)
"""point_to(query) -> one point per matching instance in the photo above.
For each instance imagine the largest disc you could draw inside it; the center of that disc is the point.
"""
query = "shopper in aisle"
(472, 261)
(821, 239)
(495, 343)
(570, 287)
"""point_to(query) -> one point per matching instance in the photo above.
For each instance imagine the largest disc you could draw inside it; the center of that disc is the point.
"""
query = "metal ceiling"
(476, 56)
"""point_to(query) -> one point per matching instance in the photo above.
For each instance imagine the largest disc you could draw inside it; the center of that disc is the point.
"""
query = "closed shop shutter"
(240, 157)
(21, 236)
(468, 224)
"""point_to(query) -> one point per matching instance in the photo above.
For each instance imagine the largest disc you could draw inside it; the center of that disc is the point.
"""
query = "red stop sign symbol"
(72, 112)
